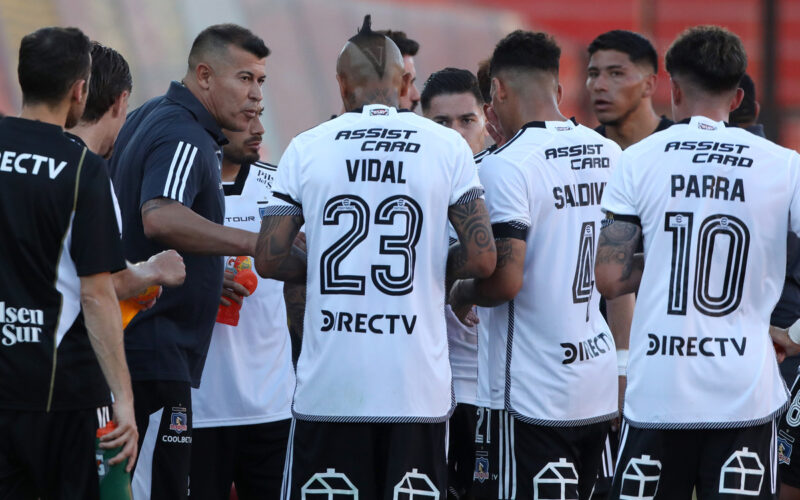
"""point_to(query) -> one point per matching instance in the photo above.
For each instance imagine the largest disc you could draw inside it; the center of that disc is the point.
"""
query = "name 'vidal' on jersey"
(548, 356)
(713, 203)
(374, 187)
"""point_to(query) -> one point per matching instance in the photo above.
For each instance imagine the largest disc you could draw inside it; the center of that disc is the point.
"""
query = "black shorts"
(722, 464)
(251, 456)
(378, 461)
(48, 455)
(515, 460)
(789, 438)
(606, 473)
(461, 450)
(164, 417)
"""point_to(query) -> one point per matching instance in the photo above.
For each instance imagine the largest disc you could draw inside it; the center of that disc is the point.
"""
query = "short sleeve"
(465, 183)
(287, 186)
(618, 195)
(95, 246)
(506, 193)
(174, 170)
(794, 210)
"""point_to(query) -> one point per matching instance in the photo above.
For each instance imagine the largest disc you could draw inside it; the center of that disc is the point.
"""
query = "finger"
(231, 296)
(240, 289)
(225, 302)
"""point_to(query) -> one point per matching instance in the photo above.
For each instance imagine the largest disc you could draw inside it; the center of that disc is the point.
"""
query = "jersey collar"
(538, 124)
(704, 123)
(180, 94)
(237, 186)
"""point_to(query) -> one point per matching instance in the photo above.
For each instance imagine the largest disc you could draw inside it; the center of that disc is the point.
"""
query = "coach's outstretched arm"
(177, 226)
(104, 324)
(618, 268)
(277, 257)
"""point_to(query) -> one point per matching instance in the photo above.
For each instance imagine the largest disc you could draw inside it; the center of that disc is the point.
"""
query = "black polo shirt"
(171, 149)
(58, 225)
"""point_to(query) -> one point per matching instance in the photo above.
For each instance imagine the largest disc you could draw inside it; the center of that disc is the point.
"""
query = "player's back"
(375, 186)
(554, 358)
(713, 203)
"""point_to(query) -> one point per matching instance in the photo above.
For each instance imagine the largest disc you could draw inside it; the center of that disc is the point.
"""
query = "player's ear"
(120, 104)
(737, 99)
(559, 93)
(79, 91)
(343, 90)
(499, 89)
(676, 92)
(203, 73)
(650, 82)
(405, 84)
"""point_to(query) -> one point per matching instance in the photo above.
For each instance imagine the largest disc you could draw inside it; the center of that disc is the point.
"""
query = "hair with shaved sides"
(369, 56)
(214, 41)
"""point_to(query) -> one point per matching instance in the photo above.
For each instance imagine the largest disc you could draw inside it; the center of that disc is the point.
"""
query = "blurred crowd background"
(305, 37)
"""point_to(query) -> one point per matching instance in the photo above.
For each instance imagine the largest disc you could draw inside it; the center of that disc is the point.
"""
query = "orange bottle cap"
(110, 426)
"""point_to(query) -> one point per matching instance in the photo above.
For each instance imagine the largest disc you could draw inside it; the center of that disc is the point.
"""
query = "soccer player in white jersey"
(451, 98)
(375, 188)
(712, 204)
(546, 357)
(242, 410)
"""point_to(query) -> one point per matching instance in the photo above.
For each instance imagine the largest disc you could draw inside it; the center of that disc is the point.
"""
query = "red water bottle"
(242, 269)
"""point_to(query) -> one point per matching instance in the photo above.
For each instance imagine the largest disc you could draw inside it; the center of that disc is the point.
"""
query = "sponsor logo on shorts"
(784, 451)
(166, 438)
(329, 484)
(481, 473)
(640, 479)
(742, 474)
(415, 485)
(178, 420)
(556, 480)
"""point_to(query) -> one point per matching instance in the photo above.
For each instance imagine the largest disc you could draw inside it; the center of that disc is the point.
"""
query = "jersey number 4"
(717, 229)
(332, 281)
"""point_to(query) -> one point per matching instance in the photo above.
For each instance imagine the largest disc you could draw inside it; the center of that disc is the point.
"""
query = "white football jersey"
(374, 187)
(548, 355)
(248, 376)
(713, 203)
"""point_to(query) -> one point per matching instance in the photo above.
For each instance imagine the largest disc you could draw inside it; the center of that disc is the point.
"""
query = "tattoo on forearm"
(617, 245)
(156, 203)
(275, 248)
(504, 252)
(471, 222)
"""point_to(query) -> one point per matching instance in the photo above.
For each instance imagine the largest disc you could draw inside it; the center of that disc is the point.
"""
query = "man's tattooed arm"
(618, 268)
(276, 255)
(475, 254)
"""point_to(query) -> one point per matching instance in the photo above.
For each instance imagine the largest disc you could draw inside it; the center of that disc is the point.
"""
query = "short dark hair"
(526, 50)
(638, 48)
(450, 81)
(220, 36)
(746, 112)
(710, 56)
(51, 60)
(485, 80)
(111, 76)
(407, 46)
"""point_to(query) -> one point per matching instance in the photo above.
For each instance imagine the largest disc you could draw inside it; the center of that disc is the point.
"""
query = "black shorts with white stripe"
(788, 438)
(365, 460)
(724, 464)
(606, 473)
(515, 460)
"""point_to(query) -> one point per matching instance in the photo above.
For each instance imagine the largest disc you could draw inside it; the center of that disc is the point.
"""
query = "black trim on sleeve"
(513, 229)
(286, 198)
(471, 195)
(612, 217)
(282, 210)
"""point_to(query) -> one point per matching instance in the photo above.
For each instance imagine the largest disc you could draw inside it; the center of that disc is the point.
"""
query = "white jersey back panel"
(375, 187)
(548, 355)
(248, 377)
(714, 208)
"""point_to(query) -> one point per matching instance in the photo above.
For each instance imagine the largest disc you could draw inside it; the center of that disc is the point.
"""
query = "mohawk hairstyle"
(372, 45)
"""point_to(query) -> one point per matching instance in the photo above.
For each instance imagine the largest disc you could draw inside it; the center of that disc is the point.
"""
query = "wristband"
(794, 332)
(622, 361)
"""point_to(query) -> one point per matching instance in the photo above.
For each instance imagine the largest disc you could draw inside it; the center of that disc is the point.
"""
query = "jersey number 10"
(332, 281)
(712, 230)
